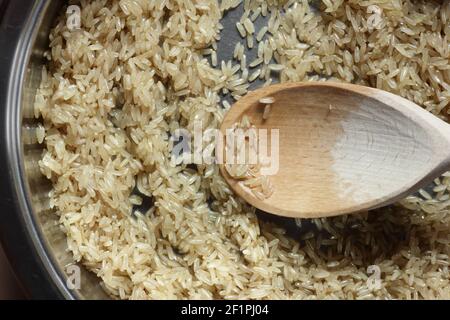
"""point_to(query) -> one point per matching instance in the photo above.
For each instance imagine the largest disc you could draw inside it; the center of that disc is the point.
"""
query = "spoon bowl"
(342, 148)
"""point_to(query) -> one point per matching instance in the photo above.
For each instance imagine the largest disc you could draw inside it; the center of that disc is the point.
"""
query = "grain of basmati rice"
(254, 75)
(266, 111)
(241, 29)
(255, 62)
(249, 27)
(250, 41)
(261, 33)
(267, 100)
(276, 67)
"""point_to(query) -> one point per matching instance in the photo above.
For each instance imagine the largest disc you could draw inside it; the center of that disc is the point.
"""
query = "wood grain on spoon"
(342, 148)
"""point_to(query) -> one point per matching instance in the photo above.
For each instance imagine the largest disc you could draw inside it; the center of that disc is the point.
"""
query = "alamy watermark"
(375, 20)
(73, 21)
(237, 146)
(374, 280)
(73, 281)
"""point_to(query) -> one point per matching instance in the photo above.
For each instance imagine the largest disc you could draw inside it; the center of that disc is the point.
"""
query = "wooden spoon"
(342, 148)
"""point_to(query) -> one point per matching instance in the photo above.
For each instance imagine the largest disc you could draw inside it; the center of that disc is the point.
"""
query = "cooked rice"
(134, 73)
